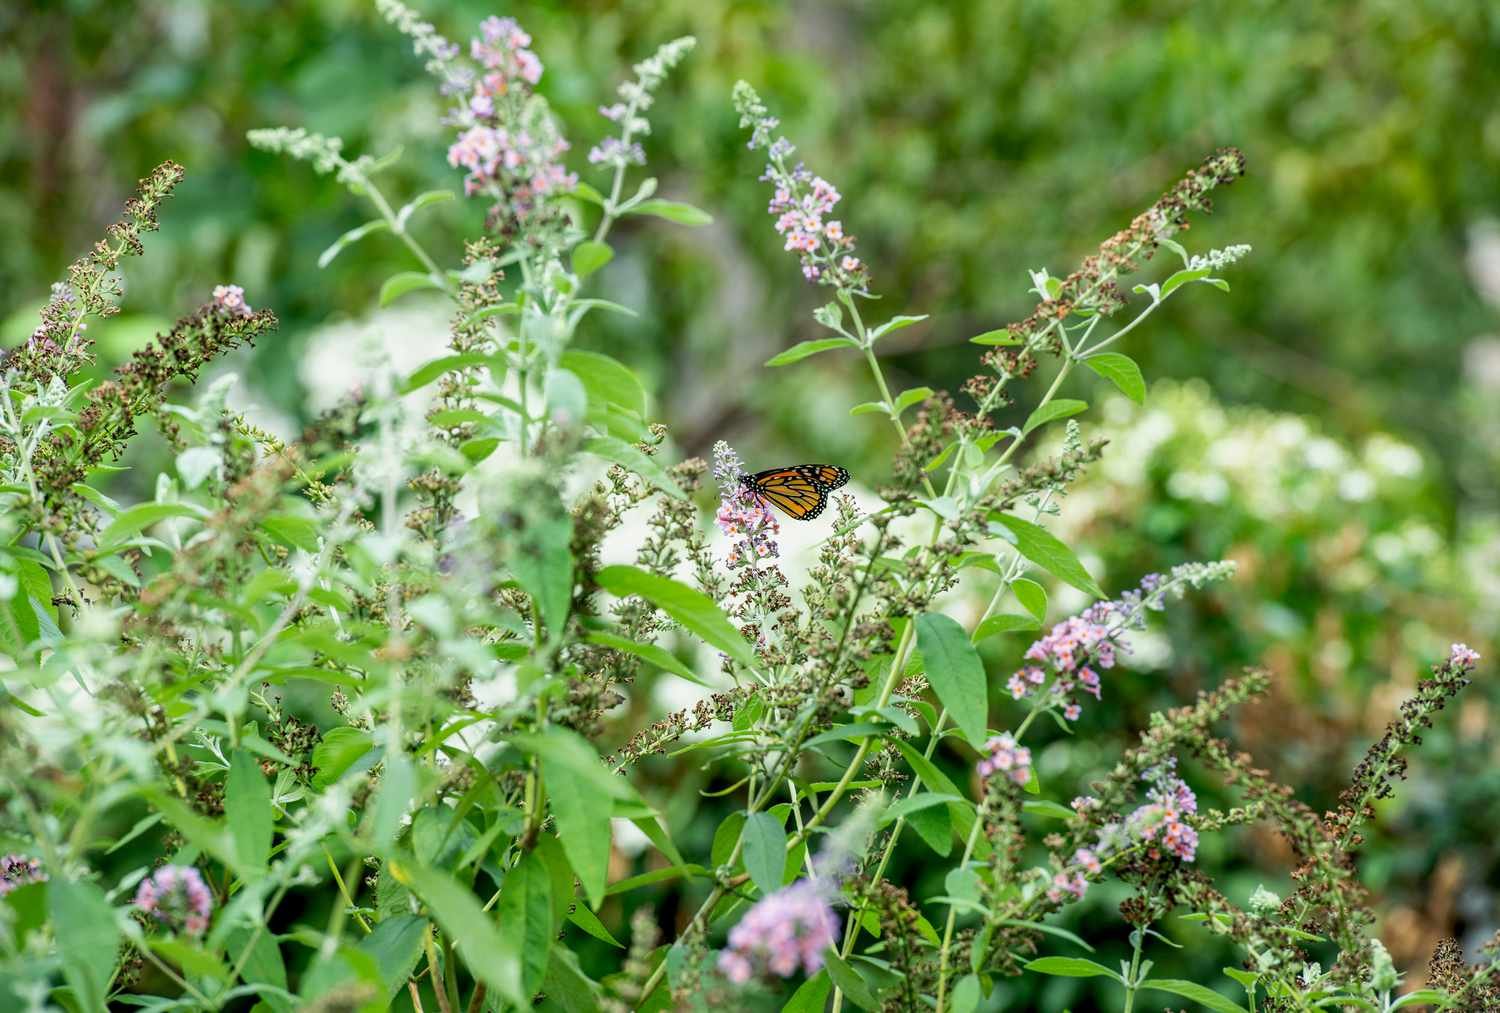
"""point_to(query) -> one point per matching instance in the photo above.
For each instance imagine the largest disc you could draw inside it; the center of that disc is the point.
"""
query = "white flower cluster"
(1216, 260)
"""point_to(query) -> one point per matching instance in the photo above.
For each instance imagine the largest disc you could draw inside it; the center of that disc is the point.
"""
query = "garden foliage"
(355, 720)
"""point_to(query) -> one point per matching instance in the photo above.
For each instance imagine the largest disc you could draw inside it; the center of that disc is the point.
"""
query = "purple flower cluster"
(18, 870)
(1068, 660)
(784, 932)
(1075, 650)
(1462, 656)
(801, 204)
(1004, 756)
(743, 516)
(508, 141)
(1160, 821)
(177, 897)
(231, 299)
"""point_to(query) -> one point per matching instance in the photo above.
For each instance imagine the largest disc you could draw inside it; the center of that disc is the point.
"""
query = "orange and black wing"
(800, 492)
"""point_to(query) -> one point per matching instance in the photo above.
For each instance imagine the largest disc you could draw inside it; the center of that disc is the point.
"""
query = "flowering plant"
(363, 720)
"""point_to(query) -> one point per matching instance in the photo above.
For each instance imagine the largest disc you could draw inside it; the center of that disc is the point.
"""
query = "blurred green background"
(1345, 444)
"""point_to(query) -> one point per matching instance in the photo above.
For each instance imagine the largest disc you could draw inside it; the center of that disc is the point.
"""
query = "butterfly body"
(801, 491)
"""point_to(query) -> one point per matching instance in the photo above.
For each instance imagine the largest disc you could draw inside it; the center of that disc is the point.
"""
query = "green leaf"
(247, 807)
(1194, 991)
(1045, 550)
(430, 371)
(193, 960)
(966, 994)
(672, 211)
(1032, 596)
(143, 516)
(398, 784)
(894, 324)
(962, 814)
(492, 957)
(526, 912)
(419, 202)
(298, 532)
(803, 349)
(1072, 967)
(397, 285)
(658, 656)
(632, 458)
(209, 836)
(583, 814)
(1059, 408)
(395, 946)
(1181, 278)
(1121, 371)
(765, 851)
(262, 965)
(811, 996)
(588, 257)
(336, 752)
(608, 382)
(914, 803)
(955, 673)
(559, 748)
(349, 238)
(694, 610)
(542, 562)
(848, 980)
(935, 827)
(590, 923)
(996, 337)
(870, 408)
(83, 918)
(1005, 622)
(579, 788)
(907, 398)
(1042, 807)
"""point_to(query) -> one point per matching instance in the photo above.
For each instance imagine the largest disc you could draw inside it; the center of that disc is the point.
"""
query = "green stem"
(1138, 939)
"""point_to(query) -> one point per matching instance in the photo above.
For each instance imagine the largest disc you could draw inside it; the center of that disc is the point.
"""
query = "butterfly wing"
(826, 477)
(800, 492)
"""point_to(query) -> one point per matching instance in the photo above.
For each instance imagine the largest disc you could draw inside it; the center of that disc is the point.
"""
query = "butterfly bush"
(390, 714)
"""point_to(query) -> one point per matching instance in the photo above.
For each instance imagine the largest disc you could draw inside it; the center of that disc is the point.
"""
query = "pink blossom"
(743, 516)
(1463, 656)
(1160, 820)
(231, 298)
(1088, 861)
(783, 933)
(800, 202)
(1066, 884)
(177, 897)
(1006, 757)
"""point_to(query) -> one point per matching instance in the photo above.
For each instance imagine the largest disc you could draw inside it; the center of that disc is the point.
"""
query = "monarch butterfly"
(801, 491)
